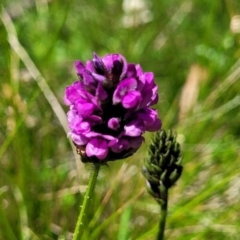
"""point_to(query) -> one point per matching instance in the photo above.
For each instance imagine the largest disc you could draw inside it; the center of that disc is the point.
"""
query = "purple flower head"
(110, 108)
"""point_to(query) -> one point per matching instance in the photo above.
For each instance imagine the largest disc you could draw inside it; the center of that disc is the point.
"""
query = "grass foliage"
(192, 46)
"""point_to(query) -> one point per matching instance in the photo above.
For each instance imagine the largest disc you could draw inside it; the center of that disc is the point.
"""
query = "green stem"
(78, 232)
(163, 217)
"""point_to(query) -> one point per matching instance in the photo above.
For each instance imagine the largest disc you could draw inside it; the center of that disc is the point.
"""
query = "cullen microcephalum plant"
(110, 109)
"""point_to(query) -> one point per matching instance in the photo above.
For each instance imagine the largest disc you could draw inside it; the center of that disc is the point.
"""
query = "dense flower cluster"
(110, 108)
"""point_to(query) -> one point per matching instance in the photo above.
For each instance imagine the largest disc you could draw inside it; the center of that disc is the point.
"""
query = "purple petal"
(147, 88)
(88, 79)
(139, 70)
(97, 147)
(72, 114)
(80, 127)
(66, 101)
(71, 95)
(115, 64)
(120, 145)
(108, 61)
(113, 142)
(98, 64)
(148, 115)
(85, 126)
(135, 142)
(75, 92)
(141, 83)
(99, 78)
(155, 126)
(131, 71)
(89, 66)
(114, 123)
(73, 119)
(95, 134)
(79, 139)
(84, 108)
(149, 76)
(123, 88)
(101, 93)
(79, 66)
(94, 100)
(124, 68)
(134, 128)
(154, 99)
(132, 99)
(150, 96)
(93, 119)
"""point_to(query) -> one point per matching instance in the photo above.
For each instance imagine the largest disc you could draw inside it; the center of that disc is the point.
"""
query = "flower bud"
(162, 167)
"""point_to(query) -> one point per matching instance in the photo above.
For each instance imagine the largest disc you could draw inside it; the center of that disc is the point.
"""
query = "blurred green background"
(193, 48)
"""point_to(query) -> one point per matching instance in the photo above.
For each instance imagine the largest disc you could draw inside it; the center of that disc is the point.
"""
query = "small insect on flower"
(110, 108)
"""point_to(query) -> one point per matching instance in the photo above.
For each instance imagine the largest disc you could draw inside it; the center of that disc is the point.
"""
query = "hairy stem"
(163, 217)
(78, 232)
